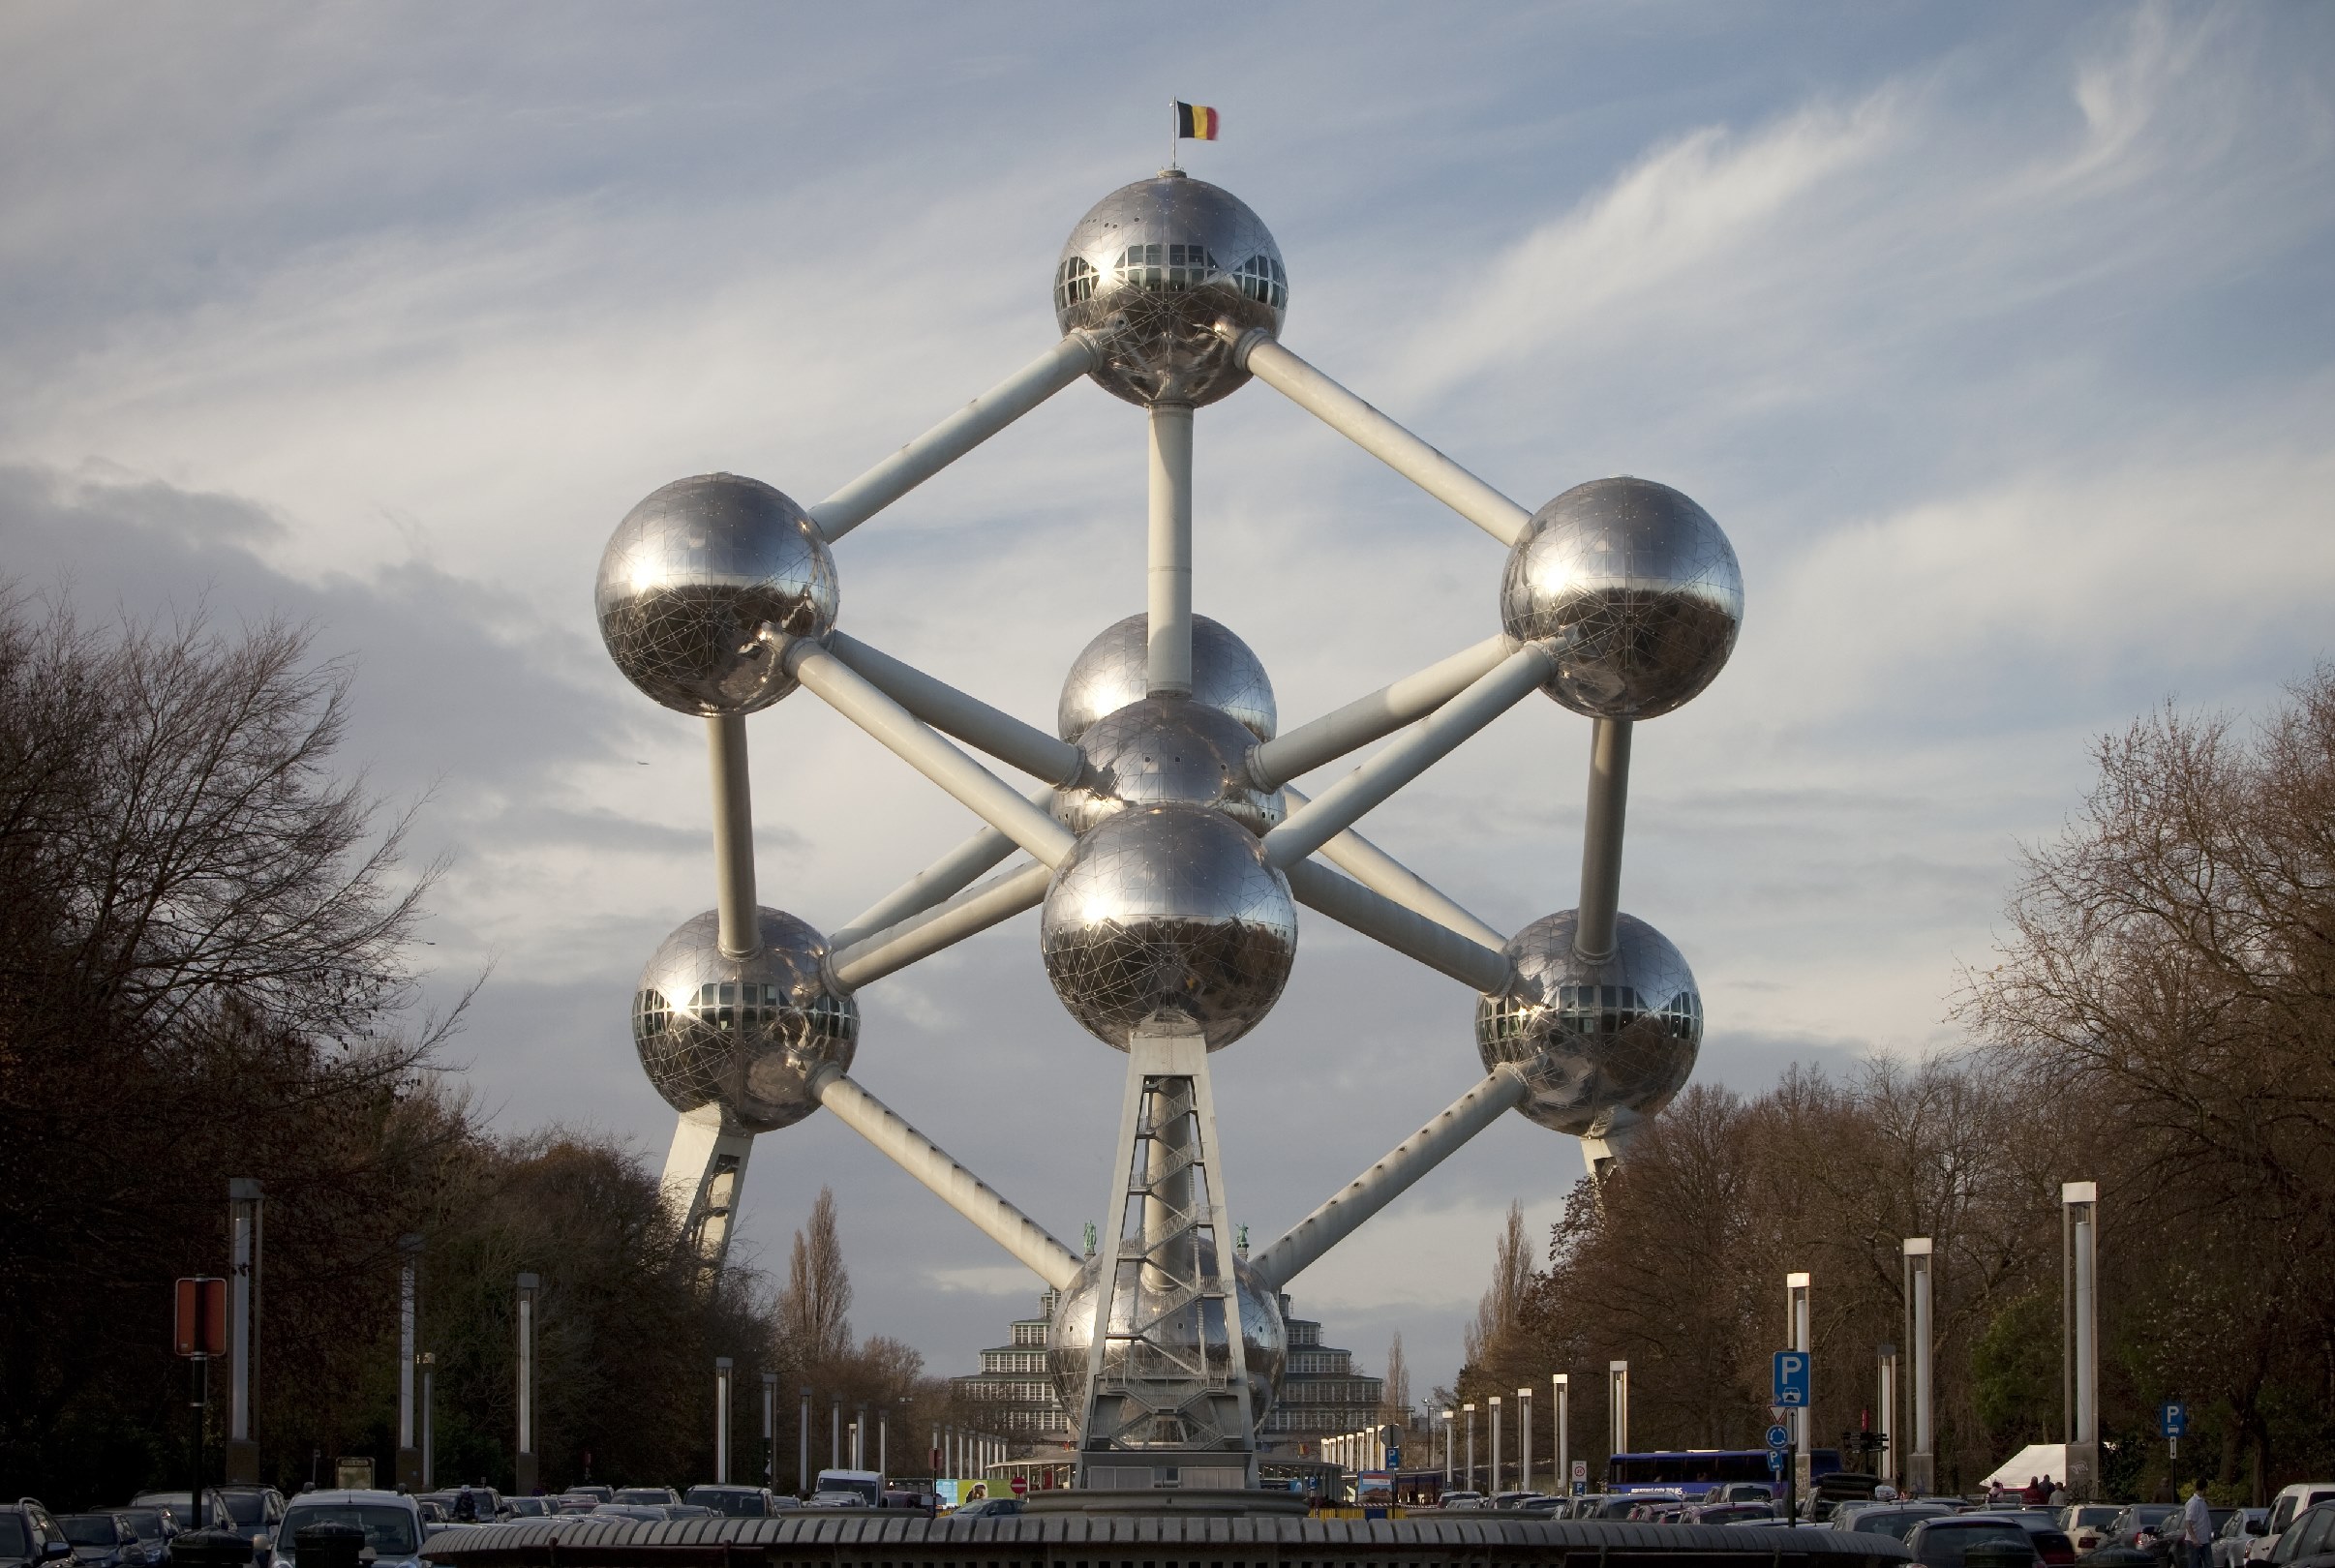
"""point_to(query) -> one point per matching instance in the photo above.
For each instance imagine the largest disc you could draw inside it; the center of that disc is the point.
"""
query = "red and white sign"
(1021, 1486)
(199, 1325)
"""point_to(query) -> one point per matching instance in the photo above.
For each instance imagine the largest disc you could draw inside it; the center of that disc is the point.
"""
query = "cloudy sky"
(1990, 333)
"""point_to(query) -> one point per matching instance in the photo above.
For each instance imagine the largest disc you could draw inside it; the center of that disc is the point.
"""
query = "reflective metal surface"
(1638, 588)
(744, 1034)
(689, 579)
(1263, 1338)
(1168, 917)
(1113, 670)
(1163, 749)
(1594, 1039)
(1152, 267)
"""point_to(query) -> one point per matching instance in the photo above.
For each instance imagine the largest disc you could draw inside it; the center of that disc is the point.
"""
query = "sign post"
(1793, 1370)
(200, 1332)
(2173, 1421)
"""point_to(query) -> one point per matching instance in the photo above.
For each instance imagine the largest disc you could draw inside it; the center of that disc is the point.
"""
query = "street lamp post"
(1494, 1402)
(1921, 1466)
(1469, 1408)
(1886, 1408)
(524, 1463)
(770, 1430)
(1616, 1405)
(244, 1194)
(1524, 1438)
(408, 1322)
(429, 1419)
(803, 1448)
(1562, 1383)
(1797, 1320)
(721, 1420)
(2080, 1238)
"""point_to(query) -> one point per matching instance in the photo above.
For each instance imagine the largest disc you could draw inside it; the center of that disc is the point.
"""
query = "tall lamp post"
(2079, 1251)
(1921, 1466)
(1797, 1324)
(1616, 1405)
(1446, 1450)
(803, 1448)
(721, 1419)
(429, 1419)
(1524, 1438)
(770, 1430)
(1469, 1408)
(1562, 1384)
(409, 1316)
(525, 1465)
(1494, 1402)
(244, 1194)
(1886, 1407)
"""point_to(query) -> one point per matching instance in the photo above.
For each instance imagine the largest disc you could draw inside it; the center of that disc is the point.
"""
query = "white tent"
(2030, 1461)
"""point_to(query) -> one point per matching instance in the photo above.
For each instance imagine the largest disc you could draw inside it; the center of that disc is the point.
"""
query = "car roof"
(343, 1495)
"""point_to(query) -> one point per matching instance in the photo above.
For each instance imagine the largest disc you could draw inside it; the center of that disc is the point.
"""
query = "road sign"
(1021, 1486)
(1792, 1379)
(1394, 1459)
(1779, 1436)
(2173, 1419)
(199, 1328)
(1580, 1476)
(1775, 1460)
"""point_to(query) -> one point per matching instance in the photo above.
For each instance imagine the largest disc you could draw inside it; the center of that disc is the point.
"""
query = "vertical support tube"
(243, 1240)
(1921, 1466)
(1563, 1384)
(721, 1420)
(1796, 1321)
(1170, 580)
(1885, 1408)
(1616, 1405)
(408, 1314)
(1601, 838)
(1524, 1438)
(525, 1464)
(733, 837)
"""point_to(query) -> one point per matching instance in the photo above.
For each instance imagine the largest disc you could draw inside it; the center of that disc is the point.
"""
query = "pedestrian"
(2196, 1527)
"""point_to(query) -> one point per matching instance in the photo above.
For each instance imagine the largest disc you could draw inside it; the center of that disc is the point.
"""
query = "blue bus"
(1691, 1472)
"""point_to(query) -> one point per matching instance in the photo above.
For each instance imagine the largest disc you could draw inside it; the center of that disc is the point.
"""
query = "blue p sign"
(2175, 1419)
(1791, 1379)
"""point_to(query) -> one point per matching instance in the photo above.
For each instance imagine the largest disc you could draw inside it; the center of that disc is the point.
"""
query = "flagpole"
(1175, 126)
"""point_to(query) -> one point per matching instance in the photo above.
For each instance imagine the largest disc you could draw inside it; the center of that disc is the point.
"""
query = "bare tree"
(1394, 1397)
(812, 1308)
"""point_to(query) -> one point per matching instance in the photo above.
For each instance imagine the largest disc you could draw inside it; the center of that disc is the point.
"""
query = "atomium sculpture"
(1166, 845)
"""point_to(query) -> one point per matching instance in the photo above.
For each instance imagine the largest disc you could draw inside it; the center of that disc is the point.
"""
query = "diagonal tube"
(944, 879)
(1413, 935)
(1381, 437)
(1381, 873)
(920, 936)
(955, 436)
(967, 1194)
(1299, 751)
(1423, 745)
(855, 697)
(1390, 1178)
(951, 711)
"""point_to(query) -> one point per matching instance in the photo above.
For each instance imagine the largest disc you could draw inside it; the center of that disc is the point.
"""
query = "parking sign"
(2174, 1418)
(1792, 1379)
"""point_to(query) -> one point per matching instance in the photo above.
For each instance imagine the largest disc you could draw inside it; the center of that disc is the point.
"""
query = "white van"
(2289, 1501)
(864, 1489)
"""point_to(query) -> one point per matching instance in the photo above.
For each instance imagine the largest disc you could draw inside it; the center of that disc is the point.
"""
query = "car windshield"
(388, 1530)
(728, 1500)
(15, 1540)
(90, 1530)
(643, 1495)
(1944, 1542)
(245, 1507)
(146, 1524)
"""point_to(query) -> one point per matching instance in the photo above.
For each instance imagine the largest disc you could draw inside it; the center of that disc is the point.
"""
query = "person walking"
(2196, 1527)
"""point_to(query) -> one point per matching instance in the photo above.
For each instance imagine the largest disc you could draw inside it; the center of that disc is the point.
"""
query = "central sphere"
(1115, 670)
(1166, 749)
(1167, 918)
(1152, 270)
(691, 577)
(1638, 588)
(745, 1034)
(1594, 1038)
(1264, 1340)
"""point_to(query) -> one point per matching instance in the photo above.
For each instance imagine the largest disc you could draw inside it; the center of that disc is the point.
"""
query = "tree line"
(2159, 1018)
(207, 970)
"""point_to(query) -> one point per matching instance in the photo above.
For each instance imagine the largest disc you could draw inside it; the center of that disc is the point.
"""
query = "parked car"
(103, 1541)
(988, 1508)
(927, 1503)
(2237, 1535)
(574, 1502)
(593, 1490)
(2087, 1525)
(1730, 1513)
(180, 1506)
(735, 1502)
(1893, 1517)
(2289, 1501)
(1462, 1501)
(2136, 1521)
(1616, 1505)
(652, 1497)
(2308, 1540)
(530, 1507)
(154, 1526)
(1945, 1540)
(391, 1521)
(28, 1534)
(2052, 1542)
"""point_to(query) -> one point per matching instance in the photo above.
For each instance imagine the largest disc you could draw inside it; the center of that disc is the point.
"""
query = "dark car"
(2137, 1519)
(103, 1541)
(646, 1496)
(1893, 1519)
(734, 1501)
(28, 1534)
(2052, 1542)
(1731, 1512)
(154, 1526)
(988, 1508)
(1948, 1540)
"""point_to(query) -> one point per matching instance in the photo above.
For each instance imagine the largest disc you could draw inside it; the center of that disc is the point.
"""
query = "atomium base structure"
(1165, 844)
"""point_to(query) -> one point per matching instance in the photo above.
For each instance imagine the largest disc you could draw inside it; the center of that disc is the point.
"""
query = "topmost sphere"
(1638, 588)
(690, 578)
(1154, 266)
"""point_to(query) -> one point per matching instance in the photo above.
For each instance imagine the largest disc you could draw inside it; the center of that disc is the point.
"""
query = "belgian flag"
(1195, 122)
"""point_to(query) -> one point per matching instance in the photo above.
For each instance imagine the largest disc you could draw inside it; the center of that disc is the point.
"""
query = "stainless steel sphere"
(1168, 918)
(1639, 588)
(1264, 1340)
(1115, 669)
(690, 578)
(1163, 749)
(1152, 268)
(1596, 1040)
(745, 1034)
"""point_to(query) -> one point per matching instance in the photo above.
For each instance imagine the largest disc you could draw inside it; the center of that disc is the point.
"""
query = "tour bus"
(1692, 1472)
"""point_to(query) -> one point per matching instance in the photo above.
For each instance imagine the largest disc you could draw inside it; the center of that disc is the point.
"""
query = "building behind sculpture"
(1014, 1397)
